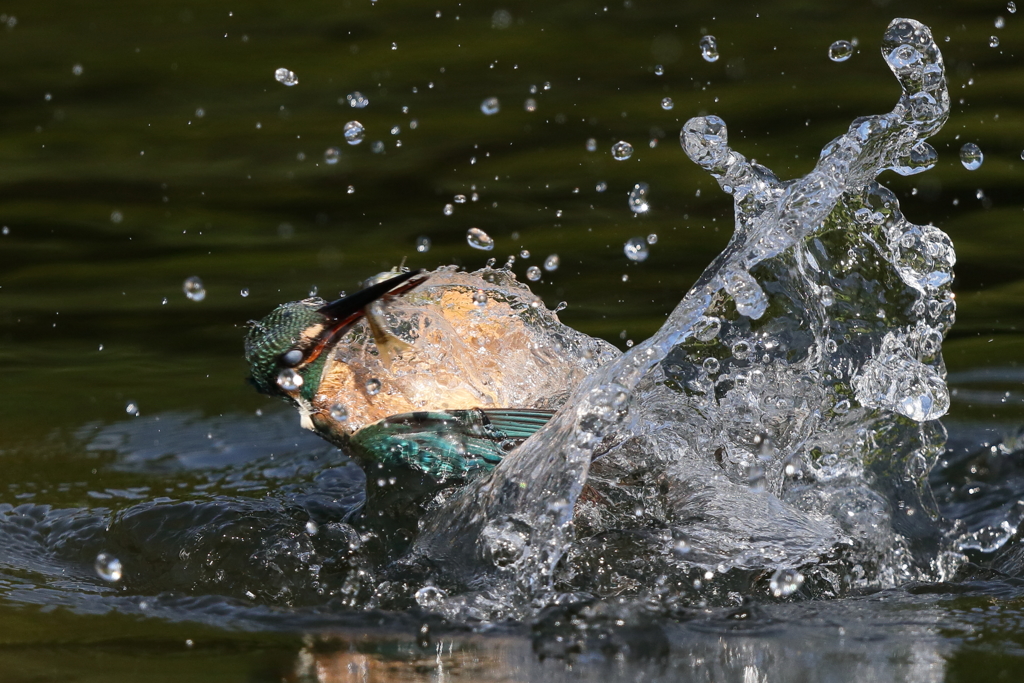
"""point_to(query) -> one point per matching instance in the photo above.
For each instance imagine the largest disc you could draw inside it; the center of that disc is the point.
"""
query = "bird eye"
(291, 358)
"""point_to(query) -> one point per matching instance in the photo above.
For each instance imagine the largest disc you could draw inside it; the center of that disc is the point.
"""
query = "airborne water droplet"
(429, 597)
(638, 198)
(636, 249)
(971, 156)
(448, 210)
(490, 106)
(356, 100)
(289, 380)
(372, 386)
(312, 528)
(423, 244)
(667, 103)
(339, 412)
(353, 132)
(286, 77)
(478, 239)
(840, 51)
(331, 155)
(993, 41)
(132, 408)
(622, 150)
(108, 567)
(709, 49)
(533, 273)
(602, 185)
(551, 263)
(193, 288)
(785, 582)
(480, 297)
(591, 145)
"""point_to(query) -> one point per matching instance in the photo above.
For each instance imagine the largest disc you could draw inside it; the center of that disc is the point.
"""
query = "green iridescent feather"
(447, 444)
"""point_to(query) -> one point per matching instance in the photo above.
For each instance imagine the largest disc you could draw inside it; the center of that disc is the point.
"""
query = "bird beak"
(350, 308)
(345, 312)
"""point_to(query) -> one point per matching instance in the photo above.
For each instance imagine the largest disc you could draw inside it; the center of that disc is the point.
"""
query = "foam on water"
(810, 346)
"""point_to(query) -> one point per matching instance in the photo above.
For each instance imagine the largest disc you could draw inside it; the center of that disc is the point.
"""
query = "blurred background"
(143, 144)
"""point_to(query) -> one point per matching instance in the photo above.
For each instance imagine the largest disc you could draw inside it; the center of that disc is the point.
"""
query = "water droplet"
(77, 69)
(200, 113)
(1000, 22)
(552, 262)
(740, 350)
(331, 155)
(339, 412)
(286, 77)
(312, 528)
(659, 70)
(711, 365)
(971, 156)
(490, 106)
(478, 239)
(591, 145)
(601, 186)
(638, 198)
(530, 104)
(1011, 7)
(430, 597)
(667, 103)
(707, 328)
(756, 481)
(423, 244)
(354, 132)
(652, 238)
(622, 150)
(501, 19)
(709, 49)
(561, 306)
(193, 288)
(356, 100)
(372, 386)
(993, 41)
(840, 51)
(460, 199)
(244, 292)
(448, 210)
(793, 466)
(533, 273)
(480, 297)
(116, 217)
(636, 249)
(289, 380)
(351, 189)
(132, 408)
(108, 567)
(377, 147)
(785, 582)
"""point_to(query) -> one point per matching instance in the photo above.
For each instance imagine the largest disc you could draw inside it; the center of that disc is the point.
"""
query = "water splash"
(808, 353)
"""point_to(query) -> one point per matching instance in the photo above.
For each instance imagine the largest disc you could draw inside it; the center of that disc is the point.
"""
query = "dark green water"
(175, 153)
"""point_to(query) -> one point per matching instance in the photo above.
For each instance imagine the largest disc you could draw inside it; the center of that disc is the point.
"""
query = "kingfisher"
(427, 386)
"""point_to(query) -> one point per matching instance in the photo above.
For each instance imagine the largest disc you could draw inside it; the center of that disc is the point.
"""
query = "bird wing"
(448, 444)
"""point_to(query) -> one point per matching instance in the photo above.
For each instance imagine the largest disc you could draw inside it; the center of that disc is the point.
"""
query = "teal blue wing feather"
(448, 444)
(518, 423)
